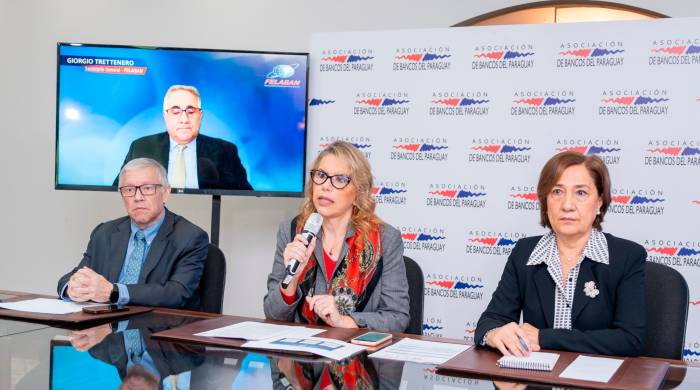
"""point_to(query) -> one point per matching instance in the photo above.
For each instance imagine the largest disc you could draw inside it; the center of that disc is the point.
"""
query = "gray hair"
(194, 91)
(142, 163)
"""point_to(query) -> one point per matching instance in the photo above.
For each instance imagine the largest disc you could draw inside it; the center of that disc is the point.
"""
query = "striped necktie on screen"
(135, 261)
(178, 176)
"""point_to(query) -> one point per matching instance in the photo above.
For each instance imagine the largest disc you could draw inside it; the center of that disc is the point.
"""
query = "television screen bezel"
(194, 191)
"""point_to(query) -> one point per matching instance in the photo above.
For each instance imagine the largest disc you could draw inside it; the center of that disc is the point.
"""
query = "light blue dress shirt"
(191, 178)
(149, 233)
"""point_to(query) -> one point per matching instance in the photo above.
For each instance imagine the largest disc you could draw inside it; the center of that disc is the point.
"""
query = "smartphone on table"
(371, 339)
(104, 309)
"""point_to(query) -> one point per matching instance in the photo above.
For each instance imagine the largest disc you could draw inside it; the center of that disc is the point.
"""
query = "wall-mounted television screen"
(220, 121)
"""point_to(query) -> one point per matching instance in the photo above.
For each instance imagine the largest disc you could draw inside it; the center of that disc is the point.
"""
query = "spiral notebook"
(541, 361)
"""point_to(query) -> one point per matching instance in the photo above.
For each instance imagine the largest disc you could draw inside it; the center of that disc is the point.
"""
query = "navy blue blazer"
(218, 164)
(612, 323)
(171, 271)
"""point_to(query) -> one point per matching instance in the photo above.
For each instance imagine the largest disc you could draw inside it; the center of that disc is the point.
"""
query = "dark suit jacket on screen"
(171, 271)
(218, 164)
(612, 323)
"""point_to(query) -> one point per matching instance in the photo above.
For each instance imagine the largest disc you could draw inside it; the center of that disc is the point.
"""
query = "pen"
(523, 344)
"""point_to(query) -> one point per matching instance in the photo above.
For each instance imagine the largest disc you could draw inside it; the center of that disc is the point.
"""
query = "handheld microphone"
(311, 228)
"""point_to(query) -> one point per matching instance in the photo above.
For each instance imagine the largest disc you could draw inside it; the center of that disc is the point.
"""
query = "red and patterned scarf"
(353, 276)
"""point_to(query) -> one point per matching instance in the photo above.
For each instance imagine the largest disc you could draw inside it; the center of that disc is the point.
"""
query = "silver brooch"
(590, 289)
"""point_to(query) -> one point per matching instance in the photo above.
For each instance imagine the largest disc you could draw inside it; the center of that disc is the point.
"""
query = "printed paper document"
(419, 351)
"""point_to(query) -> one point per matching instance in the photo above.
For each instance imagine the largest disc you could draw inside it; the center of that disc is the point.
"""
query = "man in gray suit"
(153, 257)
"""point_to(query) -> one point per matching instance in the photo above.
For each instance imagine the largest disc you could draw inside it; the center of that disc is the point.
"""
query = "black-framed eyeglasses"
(189, 110)
(146, 190)
(338, 181)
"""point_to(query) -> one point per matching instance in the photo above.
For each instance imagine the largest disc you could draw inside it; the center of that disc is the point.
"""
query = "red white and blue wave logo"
(673, 253)
(422, 59)
(423, 238)
(637, 202)
(589, 150)
(498, 55)
(492, 243)
(362, 143)
(635, 199)
(419, 149)
(449, 195)
(633, 102)
(509, 150)
(543, 103)
(675, 52)
(668, 152)
(675, 151)
(590, 52)
(600, 54)
(390, 193)
(500, 148)
(433, 326)
(341, 60)
(346, 59)
(320, 102)
(513, 56)
(454, 286)
(459, 104)
(609, 150)
(523, 198)
(381, 104)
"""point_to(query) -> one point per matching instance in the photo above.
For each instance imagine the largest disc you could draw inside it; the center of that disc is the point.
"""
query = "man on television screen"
(193, 160)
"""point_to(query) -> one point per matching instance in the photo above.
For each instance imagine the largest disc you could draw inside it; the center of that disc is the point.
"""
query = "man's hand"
(324, 307)
(88, 285)
(83, 340)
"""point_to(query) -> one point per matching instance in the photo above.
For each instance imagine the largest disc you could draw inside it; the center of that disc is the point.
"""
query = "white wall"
(45, 231)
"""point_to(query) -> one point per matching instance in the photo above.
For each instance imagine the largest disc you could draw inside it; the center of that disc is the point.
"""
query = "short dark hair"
(552, 171)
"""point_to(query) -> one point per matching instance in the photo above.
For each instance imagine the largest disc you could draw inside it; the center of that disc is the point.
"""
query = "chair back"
(667, 311)
(211, 286)
(415, 292)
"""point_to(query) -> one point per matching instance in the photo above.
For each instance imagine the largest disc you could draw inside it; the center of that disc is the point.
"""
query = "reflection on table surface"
(122, 353)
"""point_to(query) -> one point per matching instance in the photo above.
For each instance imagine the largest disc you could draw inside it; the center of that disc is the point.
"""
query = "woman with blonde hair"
(352, 275)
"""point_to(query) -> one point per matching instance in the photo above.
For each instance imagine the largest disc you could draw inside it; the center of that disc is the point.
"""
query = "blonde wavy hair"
(363, 216)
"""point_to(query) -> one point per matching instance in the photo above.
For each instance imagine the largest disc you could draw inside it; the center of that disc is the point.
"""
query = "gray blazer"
(171, 271)
(387, 308)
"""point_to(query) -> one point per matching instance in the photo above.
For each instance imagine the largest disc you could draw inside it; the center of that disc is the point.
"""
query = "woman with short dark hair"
(578, 289)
